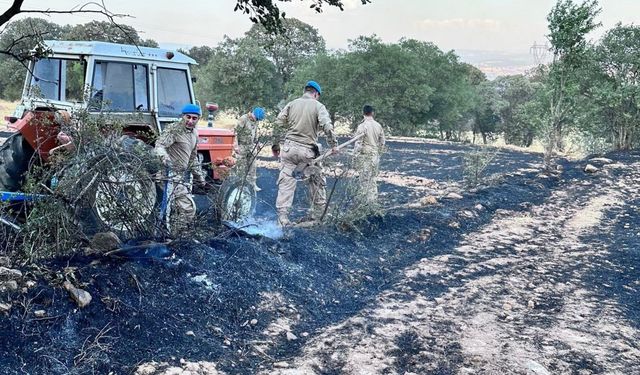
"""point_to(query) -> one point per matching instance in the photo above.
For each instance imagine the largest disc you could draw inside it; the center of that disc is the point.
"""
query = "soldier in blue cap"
(247, 146)
(177, 147)
(303, 119)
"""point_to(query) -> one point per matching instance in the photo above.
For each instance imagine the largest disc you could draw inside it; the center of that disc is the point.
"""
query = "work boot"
(283, 220)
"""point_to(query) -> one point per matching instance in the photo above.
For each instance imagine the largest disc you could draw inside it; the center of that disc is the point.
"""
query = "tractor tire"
(15, 156)
(236, 200)
(123, 201)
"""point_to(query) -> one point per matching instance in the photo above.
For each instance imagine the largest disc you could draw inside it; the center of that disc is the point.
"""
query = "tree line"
(590, 89)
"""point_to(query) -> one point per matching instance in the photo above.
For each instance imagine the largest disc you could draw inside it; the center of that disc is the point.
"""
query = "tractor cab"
(151, 83)
(142, 88)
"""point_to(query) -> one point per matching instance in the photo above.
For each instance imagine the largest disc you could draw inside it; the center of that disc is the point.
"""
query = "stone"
(190, 333)
(146, 369)
(453, 196)
(428, 200)
(479, 207)
(5, 307)
(30, 284)
(39, 313)
(305, 334)
(454, 224)
(507, 306)
(590, 168)
(291, 336)
(8, 286)
(537, 368)
(253, 322)
(9, 274)
(80, 296)
(281, 365)
(531, 304)
(601, 160)
(105, 241)
(468, 214)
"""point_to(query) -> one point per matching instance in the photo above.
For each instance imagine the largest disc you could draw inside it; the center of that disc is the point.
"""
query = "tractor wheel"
(122, 200)
(15, 156)
(236, 199)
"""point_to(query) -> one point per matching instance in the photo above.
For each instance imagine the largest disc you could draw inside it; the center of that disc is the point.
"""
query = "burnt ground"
(532, 275)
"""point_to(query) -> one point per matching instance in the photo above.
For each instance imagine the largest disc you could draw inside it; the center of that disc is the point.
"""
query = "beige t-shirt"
(373, 139)
(304, 118)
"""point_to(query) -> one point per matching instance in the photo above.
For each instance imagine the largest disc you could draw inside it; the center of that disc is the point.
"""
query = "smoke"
(257, 227)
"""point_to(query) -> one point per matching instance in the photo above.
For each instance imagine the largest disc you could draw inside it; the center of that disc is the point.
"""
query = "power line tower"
(539, 52)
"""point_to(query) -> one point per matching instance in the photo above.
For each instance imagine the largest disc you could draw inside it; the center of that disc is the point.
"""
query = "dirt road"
(535, 275)
(549, 290)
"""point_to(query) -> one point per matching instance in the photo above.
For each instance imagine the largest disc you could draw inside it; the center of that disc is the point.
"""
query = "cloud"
(462, 23)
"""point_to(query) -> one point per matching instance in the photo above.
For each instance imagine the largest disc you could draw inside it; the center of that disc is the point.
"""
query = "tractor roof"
(117, 50)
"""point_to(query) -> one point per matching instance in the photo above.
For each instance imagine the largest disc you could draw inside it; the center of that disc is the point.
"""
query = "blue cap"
(258, 113)
(191, 109)
(315, 85)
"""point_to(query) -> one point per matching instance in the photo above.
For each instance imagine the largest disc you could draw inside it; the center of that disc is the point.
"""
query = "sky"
(509, 26)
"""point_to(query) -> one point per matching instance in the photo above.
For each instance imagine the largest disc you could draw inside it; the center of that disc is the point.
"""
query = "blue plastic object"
(9, 196)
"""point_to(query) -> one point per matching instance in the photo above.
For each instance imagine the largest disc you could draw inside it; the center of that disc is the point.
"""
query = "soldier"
(302, 119)
(366, 153)
(177, 147)
(247, 144)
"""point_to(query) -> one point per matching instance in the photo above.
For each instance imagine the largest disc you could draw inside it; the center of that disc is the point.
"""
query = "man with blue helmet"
(247, 146)
(302, 119)
(177, 147)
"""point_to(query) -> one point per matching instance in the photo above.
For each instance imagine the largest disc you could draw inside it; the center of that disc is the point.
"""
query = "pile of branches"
(101, 180)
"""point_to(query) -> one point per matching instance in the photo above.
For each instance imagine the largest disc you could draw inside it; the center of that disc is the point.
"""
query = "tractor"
(146, 88)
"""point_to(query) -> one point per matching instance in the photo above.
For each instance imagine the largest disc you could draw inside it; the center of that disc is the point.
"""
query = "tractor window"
(74, 86)
(119, 87)
(173, 91)
(45, 81)
(58, 79)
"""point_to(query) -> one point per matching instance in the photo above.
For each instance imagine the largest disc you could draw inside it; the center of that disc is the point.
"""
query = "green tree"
(414, 86)
(611, 103)
(487, 110)
(104, 31)
(201, 54)
(515, 91)
(297, 43)
(238, 78)
(569, 25)
(17, 40)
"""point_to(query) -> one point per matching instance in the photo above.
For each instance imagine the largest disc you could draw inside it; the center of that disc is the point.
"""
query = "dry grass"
(6, 109)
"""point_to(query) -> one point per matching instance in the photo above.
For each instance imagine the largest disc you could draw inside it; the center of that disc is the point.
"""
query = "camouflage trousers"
(296, 155)
(246, 164)
(367, 165)
(181, 209)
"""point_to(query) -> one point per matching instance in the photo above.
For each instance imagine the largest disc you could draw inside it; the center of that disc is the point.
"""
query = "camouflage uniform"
(367, 158)
(303, 118)
(177, 146)
(246, 138)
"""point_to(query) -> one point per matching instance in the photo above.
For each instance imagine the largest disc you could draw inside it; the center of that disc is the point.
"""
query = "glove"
(275, 150)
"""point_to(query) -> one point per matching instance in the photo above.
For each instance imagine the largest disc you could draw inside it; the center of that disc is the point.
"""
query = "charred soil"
(534, 274)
